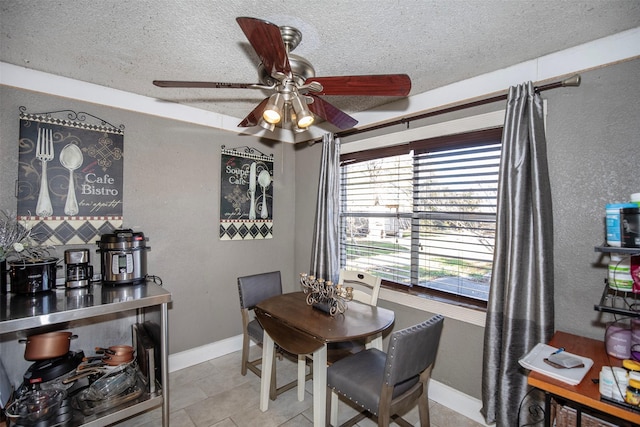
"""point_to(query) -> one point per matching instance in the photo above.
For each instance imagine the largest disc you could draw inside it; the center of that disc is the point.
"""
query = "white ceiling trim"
(608, 50)
(615, 48)
(38, 81)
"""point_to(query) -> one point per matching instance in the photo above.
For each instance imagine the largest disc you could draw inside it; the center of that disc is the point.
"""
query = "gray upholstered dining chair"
(386, 385)
(254, 289)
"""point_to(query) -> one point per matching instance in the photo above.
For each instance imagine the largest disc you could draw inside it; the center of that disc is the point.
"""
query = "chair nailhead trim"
(354, 401)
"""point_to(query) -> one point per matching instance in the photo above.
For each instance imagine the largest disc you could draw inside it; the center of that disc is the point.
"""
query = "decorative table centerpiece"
(324, 295)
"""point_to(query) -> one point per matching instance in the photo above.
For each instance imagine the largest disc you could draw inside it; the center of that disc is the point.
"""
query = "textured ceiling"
(127, 44)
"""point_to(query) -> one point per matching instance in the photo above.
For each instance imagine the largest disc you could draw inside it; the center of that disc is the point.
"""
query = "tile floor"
(214, 394)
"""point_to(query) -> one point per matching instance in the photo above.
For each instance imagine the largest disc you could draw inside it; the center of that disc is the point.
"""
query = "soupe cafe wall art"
(246, 194)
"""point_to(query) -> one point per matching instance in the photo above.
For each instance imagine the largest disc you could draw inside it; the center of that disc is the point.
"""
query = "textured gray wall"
(594, 158)
(593, 140)
(171, 193)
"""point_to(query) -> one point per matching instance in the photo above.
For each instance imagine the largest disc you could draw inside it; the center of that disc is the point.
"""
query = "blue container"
(613, 222)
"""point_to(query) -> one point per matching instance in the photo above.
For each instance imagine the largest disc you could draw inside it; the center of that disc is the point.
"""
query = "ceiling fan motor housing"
(300, 68)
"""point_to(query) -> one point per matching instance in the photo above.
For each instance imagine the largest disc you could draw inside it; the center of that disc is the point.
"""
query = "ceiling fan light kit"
(303, 117)
(273, 111)
(295, 104)
(266, 125)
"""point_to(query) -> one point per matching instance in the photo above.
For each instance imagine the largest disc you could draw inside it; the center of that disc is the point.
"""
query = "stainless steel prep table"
(100, 310)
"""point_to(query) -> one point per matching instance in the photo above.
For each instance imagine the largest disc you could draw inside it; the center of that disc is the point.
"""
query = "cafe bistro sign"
(70, 176)
(246, 194)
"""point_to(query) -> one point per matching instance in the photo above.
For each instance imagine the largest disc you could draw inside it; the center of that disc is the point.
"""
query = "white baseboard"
(201, 354)
(456, 401)
(438, 392)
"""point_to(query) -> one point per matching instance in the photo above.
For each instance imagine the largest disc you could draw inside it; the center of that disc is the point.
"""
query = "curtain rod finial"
(572, 81)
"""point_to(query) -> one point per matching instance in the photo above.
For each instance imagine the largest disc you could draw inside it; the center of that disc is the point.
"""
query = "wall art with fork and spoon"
(246, 194)
(70, 176)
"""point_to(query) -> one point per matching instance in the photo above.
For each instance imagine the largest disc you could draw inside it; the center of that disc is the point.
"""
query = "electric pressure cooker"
(123, 256)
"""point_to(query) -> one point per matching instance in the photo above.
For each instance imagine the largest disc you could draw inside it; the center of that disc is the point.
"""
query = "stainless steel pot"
(123, 257)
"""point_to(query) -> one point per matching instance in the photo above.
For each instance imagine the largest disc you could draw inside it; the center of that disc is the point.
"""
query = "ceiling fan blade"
(333, 115)
(254, 116)
(213, 85)
(369, 85)
(266, 40)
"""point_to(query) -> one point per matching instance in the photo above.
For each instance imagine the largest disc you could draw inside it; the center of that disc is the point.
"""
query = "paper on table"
(534, 360)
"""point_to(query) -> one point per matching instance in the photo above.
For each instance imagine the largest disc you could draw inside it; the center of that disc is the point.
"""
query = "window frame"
(464, 139)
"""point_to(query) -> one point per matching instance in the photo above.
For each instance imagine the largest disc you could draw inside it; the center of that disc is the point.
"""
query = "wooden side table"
(586, 395)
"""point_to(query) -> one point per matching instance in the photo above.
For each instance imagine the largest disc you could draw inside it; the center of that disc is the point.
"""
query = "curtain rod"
(572, 81)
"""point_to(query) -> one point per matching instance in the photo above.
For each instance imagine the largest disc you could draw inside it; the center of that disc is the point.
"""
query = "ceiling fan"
(295, 102)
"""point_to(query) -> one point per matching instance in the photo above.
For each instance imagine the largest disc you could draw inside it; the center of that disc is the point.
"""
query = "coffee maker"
(79, 272)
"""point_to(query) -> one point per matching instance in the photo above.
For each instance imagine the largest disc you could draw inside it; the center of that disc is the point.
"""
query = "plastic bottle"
(635, 336)
(634, 375)
(633, 393)
(618, 340)
(606, 382)
(635, 273)
(630, 227)
(621, 381)
(620, 273)
(631, 365)
(613, 222)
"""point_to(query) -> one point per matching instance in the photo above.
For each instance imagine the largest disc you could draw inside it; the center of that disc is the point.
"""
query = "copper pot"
(47, 346)
(121, 350)
(118, 350)
(116, 354)
(117, 360)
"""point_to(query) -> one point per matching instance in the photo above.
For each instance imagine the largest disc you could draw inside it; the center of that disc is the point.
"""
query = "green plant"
(16, 240)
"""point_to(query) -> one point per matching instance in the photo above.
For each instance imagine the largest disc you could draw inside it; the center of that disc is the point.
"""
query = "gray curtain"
(325, 254)
(520, 308)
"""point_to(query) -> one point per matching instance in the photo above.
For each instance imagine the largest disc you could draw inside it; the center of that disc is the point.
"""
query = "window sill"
(425, 303)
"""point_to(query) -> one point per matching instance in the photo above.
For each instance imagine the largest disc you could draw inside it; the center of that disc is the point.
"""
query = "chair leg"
(383, 421)
(384, 405)
(401, 421)
(328, 414)
(333, 416)
(331, 412)
(423, 409)
(273, 386)
(245, 355)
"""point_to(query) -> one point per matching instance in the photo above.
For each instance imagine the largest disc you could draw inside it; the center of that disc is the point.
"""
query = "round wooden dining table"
(301, 329)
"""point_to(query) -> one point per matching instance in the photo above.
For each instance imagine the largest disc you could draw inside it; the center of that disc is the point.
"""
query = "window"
(422, 215)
